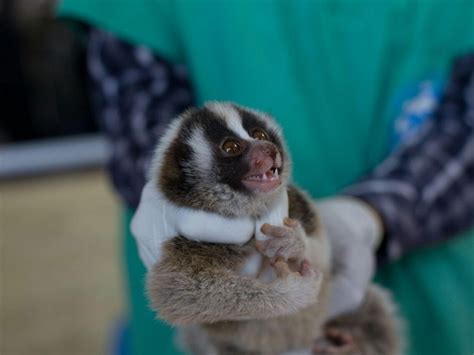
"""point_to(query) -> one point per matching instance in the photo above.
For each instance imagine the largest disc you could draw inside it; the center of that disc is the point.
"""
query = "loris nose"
(263, 153)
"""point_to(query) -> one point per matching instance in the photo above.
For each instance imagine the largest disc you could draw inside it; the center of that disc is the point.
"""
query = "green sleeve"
(147, 22)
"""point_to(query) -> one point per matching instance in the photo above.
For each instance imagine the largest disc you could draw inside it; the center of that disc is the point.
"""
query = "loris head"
(223, 158)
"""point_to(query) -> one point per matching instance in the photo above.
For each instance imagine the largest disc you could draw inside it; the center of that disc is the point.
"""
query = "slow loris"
(260, 292)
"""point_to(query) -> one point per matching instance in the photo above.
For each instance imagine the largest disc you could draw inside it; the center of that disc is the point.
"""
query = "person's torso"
(332, 73)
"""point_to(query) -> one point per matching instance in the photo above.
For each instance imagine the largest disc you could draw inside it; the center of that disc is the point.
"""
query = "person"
(371, 108)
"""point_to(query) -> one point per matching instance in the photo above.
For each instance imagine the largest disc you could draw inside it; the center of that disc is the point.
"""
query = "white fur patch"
(165, 141)
(231, 117)
(202, 151)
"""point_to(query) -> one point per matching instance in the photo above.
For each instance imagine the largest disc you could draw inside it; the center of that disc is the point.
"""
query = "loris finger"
(274, 231)
(292, 223)
(281, 268)
(289, 247)
(274, 248)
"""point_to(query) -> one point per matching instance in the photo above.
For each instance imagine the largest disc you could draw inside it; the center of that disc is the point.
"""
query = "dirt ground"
(60, 285)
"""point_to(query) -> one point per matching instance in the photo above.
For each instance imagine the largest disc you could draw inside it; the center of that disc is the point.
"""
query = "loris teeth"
(270, 175)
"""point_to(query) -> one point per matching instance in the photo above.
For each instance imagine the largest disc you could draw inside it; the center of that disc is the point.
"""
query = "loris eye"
(260, 134)
(232, 146)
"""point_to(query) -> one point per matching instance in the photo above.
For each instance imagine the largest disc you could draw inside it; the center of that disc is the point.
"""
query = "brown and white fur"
(223, 303)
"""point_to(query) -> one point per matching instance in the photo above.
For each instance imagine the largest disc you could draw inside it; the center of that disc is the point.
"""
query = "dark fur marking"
(250, 121)
(178, 183)
(302, 210)
(172, 180)
(198, 255)
(230, 170)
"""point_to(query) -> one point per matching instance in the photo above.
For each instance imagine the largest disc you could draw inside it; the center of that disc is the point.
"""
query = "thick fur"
(375, 326)
(200, 286)
(199, 283)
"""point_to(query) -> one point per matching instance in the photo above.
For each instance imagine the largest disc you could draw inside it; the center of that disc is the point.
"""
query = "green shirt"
(329, 71)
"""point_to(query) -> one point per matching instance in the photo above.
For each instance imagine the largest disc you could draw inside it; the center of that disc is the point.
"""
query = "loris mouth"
(265, 182)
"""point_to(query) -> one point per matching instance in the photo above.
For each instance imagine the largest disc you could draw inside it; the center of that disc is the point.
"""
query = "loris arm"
(198, 283)
(339, 240)
(300, 237)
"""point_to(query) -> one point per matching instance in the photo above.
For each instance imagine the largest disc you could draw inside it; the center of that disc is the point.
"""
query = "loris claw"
(335, 342)
(287, 241)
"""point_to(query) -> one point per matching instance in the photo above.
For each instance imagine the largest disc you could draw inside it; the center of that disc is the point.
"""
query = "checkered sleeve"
(135, 94)
(424, 191)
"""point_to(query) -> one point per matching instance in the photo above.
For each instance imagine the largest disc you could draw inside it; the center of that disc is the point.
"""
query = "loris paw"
(300, 287)
(287, 241)
(335, 341)
(305, 270)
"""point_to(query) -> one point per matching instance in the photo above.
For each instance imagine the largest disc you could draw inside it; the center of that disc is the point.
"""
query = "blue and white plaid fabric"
(424, 191)
(135, 94)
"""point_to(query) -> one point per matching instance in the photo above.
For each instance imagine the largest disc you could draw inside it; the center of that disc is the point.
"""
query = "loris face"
(223, 158)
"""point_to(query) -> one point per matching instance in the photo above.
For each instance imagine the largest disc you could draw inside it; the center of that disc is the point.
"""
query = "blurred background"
(57, 211)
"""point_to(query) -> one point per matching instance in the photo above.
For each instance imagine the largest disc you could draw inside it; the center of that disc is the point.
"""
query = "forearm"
(317, 252)
(424, 192)
(211, 296)
(199, 283)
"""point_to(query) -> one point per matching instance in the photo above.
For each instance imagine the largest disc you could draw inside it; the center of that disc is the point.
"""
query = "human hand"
(354, 231)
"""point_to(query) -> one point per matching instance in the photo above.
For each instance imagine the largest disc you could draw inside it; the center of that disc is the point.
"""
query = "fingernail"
(290, 222)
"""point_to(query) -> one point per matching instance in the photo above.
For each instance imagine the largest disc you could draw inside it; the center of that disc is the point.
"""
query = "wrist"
(375, 218)
(360, 218)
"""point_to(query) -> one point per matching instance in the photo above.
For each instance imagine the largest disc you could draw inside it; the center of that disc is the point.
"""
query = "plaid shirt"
(135, 94)
(424, 191)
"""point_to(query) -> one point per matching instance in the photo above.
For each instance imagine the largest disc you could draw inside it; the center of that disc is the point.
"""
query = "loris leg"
(372, 329)
(199, 283)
